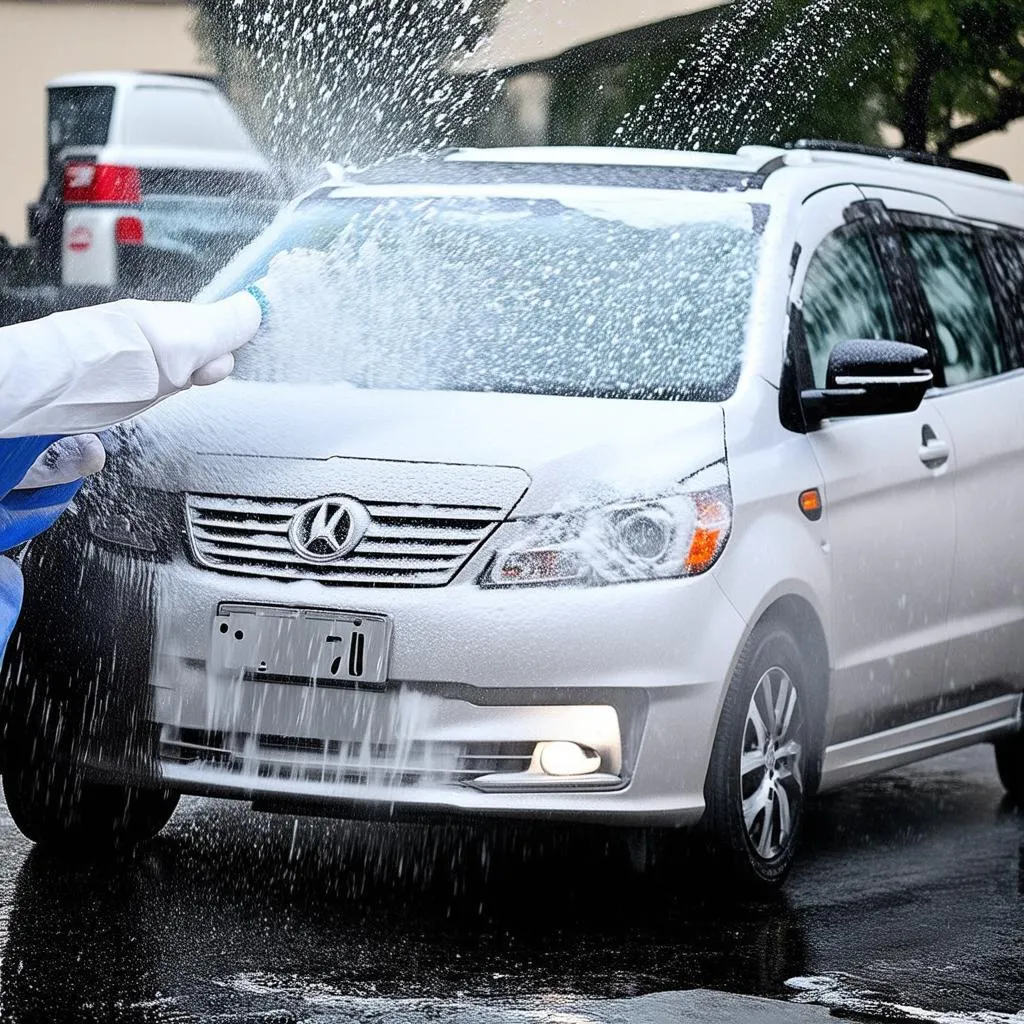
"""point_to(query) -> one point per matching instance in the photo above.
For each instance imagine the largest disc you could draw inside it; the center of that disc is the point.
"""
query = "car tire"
(54, 810)
(1010, 764)
(761, 762)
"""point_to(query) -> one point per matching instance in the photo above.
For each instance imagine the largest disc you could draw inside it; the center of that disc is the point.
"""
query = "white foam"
(842, 993)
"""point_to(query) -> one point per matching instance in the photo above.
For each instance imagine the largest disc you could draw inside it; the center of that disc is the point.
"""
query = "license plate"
(301, 645)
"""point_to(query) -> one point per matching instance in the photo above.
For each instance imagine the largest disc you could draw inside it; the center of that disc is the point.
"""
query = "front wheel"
(756, 785)
(54, 811)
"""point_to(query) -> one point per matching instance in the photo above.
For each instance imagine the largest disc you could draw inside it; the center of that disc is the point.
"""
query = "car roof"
(122, 79)
(749, 169)
(619, 156)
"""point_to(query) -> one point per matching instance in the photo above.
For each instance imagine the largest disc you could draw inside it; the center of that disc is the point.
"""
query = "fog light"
(122, 531)
(566, 759)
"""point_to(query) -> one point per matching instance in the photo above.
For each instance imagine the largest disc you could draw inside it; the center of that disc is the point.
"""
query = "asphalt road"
(908, 903)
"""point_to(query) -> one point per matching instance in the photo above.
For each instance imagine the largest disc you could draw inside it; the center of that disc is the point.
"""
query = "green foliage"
(956, 71)
(348, 80)
(941, 72)
(359, 79)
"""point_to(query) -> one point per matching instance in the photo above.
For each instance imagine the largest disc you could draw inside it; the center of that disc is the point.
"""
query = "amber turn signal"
(810, 504)
(709, 536)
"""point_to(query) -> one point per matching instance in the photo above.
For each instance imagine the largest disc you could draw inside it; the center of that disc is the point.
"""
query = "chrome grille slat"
(270, 547)
(386, 531)
(210, 522)
(373, 547)
(407, 545)
(286, 572)
(252, 506)
(351, 563)
(259, 541)
(428, 512)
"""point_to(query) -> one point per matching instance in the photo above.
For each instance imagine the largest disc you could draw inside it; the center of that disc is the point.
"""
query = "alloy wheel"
(771, 764)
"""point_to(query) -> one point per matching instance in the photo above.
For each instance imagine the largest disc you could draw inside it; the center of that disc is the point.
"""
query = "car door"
(888, 480)
(961, 271)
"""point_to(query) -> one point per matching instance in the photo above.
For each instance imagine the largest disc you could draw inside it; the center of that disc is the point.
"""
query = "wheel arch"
(798, 615)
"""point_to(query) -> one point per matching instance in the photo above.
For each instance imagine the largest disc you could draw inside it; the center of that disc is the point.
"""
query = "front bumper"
(634, 671)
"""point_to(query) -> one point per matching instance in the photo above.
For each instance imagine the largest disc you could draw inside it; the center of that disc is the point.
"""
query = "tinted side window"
(845, 297)
(1006, 278)
(953, 279)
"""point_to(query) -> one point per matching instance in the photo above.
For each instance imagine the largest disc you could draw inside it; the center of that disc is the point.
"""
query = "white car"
(642, 488)
(149, 175)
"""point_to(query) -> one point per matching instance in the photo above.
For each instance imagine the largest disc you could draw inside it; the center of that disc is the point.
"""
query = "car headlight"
(681, 533)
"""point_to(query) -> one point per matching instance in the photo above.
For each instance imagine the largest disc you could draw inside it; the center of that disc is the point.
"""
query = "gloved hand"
(195, 344)
(24, 514)
(87, 369)
(64, 462)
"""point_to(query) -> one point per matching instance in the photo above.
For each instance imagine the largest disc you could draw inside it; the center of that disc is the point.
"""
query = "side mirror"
(870, 378)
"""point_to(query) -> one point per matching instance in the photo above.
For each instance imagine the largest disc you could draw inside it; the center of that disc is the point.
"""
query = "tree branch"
(1009, 107)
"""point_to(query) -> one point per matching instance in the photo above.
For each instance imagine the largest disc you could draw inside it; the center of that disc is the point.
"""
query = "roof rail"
(909, 156)
(198, 76)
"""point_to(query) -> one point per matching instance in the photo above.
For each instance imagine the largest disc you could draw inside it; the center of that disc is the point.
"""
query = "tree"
(348, 80)
(939, 72)
(956, 71)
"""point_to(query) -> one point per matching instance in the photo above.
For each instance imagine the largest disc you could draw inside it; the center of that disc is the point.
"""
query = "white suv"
(635, 487)
(152, 183)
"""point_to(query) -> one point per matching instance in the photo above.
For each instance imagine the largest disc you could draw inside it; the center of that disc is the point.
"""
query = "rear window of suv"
(179, 116)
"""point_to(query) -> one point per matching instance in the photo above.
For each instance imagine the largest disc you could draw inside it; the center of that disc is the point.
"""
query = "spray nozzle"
(257, 292)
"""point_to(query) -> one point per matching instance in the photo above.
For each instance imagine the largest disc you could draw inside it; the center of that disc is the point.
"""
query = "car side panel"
(774, 550)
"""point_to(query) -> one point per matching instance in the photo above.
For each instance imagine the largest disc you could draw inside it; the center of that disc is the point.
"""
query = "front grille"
(405, 545)
(334, 762)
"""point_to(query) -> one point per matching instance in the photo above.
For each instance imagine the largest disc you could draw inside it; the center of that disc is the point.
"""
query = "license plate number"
(301, 645)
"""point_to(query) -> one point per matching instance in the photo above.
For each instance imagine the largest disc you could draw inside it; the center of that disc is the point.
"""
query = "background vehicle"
(654, 502)
(152, 185)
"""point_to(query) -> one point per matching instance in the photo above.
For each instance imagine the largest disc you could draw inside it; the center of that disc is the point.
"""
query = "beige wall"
(1003, 148)
(530, 30)
(39, 41)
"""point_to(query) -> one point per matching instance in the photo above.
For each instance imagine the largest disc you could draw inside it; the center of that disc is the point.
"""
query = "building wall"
(1006, 149)
(41, 40)
(535, 30)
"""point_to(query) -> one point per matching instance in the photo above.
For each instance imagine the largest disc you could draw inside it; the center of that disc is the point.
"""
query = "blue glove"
(23, 515)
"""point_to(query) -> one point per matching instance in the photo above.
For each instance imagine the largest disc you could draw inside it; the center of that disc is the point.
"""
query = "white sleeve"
(87, 369)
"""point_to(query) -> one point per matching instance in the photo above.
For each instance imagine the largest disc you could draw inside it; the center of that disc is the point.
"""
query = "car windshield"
(602, 293)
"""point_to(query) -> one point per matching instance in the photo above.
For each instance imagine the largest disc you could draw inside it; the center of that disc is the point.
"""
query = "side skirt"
(868, 755)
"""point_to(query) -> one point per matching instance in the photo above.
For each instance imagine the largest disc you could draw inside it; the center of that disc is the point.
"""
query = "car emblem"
(327, 529)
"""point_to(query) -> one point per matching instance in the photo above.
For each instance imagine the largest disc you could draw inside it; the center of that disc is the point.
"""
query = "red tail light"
(101, 183)
(128, 231)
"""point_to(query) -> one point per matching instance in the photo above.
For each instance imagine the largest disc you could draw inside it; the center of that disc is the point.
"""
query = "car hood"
(573, 449)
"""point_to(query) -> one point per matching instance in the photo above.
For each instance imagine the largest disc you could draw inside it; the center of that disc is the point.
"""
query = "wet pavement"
(908, 903)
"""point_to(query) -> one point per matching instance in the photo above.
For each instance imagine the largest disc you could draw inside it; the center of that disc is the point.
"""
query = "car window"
(1005, 252)
(845, 297)
(78, 116)
(953, 279)
(189, 118)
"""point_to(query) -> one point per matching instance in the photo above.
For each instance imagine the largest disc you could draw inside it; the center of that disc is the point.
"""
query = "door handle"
(934, 452)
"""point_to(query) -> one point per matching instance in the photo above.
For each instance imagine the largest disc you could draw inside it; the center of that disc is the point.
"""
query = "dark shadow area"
(229, 909)
(909, 888)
